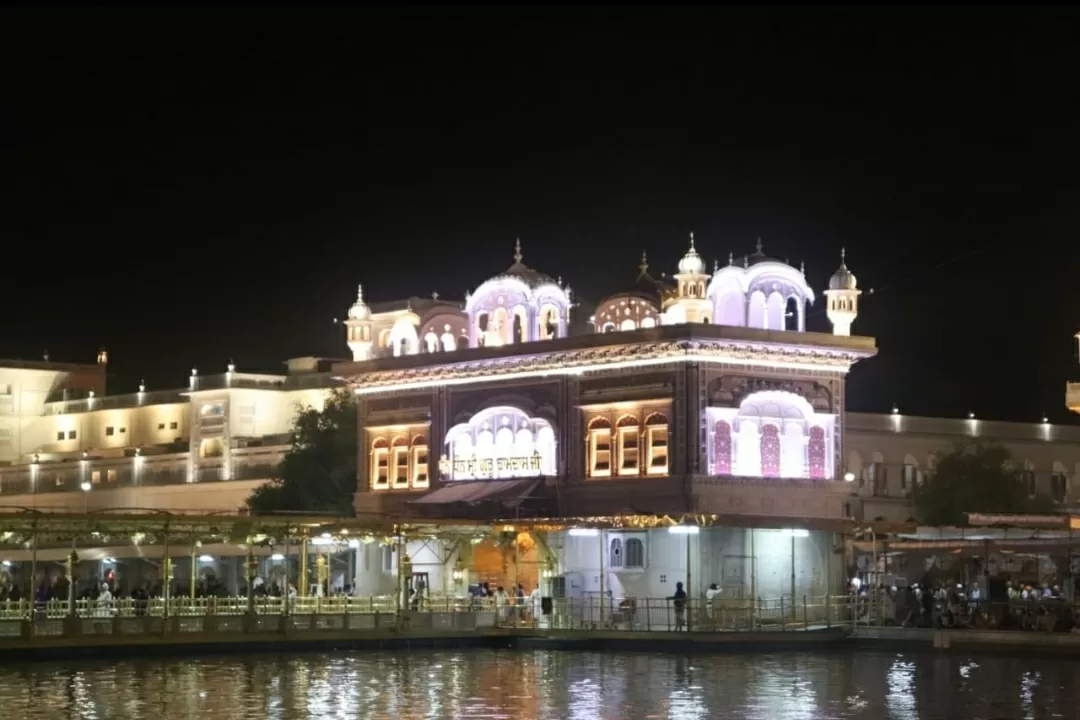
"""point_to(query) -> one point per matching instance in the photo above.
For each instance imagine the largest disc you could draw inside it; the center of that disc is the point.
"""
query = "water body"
(544, 684)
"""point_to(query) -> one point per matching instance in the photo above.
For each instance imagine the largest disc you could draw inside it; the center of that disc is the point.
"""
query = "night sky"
(187, 187)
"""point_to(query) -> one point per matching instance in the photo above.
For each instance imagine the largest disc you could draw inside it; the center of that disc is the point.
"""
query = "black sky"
(189, 186)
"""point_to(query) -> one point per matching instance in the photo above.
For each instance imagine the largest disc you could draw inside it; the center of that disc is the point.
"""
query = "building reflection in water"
(486, 685)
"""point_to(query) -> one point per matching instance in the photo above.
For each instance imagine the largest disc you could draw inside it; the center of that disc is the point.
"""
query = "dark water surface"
(543, 684)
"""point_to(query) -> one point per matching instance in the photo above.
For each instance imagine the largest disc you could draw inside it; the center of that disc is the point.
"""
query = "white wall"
(717, 555)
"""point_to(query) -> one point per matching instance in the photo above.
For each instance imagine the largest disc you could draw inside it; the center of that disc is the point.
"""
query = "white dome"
(691, 264)
(843, 279)
(359, 310)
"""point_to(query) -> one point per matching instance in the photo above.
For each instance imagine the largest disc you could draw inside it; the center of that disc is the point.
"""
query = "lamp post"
(459, 578)
(85, 486)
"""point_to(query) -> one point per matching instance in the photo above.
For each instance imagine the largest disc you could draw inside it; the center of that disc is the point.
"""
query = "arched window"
(615, 556)
(448, 342)
(380, 463)
(791, 315)
(816, 454)
(656, 443)
(519, 329)
(598, 448)
(628, 438)
(634, 553)
(648, 322)
(419, 460)
(770, 451)
(549, 322)
(501, 442)
(431, 343)
(628, 324)
(722, 448)
(399, 461)
(608, 327)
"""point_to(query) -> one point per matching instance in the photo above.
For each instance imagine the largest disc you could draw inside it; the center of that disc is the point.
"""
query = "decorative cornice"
(610, 358)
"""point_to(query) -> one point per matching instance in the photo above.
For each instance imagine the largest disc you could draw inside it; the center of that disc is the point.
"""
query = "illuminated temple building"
(699, 393)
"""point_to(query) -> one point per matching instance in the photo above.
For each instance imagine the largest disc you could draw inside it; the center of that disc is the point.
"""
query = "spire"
(517, 251)
(715, 266)
(730, 258)
(644, 266)
(692, 241)
(760, 247)
(802, 267)
(359, 294)
(843, 257)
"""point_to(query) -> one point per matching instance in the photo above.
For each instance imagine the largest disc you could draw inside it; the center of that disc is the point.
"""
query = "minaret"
(843, 298)
(691, 306)
(359, 328)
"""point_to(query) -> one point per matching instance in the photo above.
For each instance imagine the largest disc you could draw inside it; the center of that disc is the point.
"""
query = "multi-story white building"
(199, 448)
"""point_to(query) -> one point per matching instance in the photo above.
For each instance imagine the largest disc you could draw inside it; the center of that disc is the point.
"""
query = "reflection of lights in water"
(773, 695)
(585, 700)
(965, 670)
(1029, 681)
(901, 698)
(84, 705)
(687, 704)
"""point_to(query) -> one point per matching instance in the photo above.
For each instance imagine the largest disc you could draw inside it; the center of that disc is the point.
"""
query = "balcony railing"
(69, 477)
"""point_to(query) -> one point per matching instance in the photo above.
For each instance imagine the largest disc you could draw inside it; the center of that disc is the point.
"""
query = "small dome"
(360, 309)
(523, 272)
(843, 279)
(691, 264)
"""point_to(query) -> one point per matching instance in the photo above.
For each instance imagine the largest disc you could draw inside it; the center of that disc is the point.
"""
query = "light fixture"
(109, 560)
(85, 486)
(277, 557)
(354, 543)
(322, 541)
(205, 558)
(6, 563)
(684, 529)
(583, 532)
(459, 572)
(796, 533)
(971, 415)
(549, 569)
(895, 410)
(841, 368)
(849, 476)
(1046, 420)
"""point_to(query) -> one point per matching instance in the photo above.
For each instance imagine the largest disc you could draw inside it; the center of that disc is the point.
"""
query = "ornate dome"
(843, 279)
(691, 264)
(360, 309)
(532, 278)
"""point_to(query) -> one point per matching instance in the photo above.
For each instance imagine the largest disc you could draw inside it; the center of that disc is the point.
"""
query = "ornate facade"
(701, 394)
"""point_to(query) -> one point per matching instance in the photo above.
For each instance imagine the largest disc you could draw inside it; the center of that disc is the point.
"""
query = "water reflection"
(522, 685)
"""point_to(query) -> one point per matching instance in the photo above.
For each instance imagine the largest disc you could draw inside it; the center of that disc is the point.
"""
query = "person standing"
(678, 601)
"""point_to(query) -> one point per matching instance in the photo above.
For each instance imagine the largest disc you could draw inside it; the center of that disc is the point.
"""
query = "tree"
(318, 474)
(975, 477)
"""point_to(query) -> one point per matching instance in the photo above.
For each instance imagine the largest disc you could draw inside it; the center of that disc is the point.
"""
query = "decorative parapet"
(576, 362)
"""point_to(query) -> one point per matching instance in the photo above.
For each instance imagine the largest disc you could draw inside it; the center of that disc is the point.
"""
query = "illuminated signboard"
(474, 467)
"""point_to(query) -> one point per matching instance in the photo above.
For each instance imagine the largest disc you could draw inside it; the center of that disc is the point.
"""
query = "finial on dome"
(644, 266)
(434, 294)
(691, 240)
(746, 261)
(843, 256)
(760, 247)
(715, 266)
(359, 293)
(517, 250)
(730, 258)
(802, 267)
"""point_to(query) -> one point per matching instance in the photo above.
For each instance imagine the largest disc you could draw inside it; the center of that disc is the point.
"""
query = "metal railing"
(575, 614)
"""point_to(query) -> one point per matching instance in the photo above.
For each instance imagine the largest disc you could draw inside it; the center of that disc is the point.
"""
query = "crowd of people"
(952, 605)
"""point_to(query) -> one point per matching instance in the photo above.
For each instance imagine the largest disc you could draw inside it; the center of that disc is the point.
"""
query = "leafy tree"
(318, 474)
(975, 477)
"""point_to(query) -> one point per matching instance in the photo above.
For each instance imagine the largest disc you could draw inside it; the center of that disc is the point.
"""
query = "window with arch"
(608, 327)
(399, 461)
(634, 554)
(620, 443)
(909, 478)
(628, 439)
(615, 554)
(418, 461)
(599, 447)
(500, 442)
(1028, 478)
(656, 443)
(380, 463)
(1059, 487)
